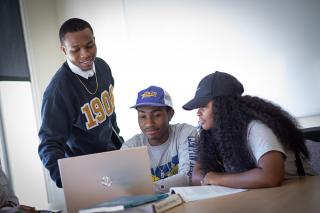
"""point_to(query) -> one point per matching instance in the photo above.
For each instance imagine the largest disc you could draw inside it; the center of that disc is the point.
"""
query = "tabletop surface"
(300, 194)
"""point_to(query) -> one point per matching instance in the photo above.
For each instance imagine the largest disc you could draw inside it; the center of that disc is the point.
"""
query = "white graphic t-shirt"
(261, 140)
(170, 161)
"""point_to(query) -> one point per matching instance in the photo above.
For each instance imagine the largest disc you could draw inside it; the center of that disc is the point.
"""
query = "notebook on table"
(90, 179)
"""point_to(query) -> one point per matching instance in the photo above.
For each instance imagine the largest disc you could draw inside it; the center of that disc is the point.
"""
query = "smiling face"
(80, 48)
(206, 116)
(154, 123)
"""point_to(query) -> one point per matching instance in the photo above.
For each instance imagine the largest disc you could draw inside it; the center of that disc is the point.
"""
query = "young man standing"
(78, 113)
(167, 144)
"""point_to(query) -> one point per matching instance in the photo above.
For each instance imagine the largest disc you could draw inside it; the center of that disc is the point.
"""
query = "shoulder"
(103, 69)
(63, 73)
(183, 128)
(135, 141)
(99, 62)
(261, 139)
(182, 134)
(60, 80)
(256, 128)
(255, 125)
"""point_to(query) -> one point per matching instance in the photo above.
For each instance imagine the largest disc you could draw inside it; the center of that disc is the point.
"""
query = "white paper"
(191, 193)
(102, 209)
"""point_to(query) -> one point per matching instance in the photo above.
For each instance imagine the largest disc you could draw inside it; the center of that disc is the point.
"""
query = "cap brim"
(196, 103)
(150, 104)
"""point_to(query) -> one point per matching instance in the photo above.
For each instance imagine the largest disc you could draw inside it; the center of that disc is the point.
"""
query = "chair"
(312, 139)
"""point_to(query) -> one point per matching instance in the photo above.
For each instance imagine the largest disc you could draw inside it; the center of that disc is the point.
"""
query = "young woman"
(245, 142)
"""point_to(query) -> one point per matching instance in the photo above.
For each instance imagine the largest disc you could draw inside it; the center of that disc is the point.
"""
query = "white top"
(170, 161)
(261, 140)
(85, 74)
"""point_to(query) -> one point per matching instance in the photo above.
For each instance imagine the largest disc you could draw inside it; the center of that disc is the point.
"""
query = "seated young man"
(167, 143)
(8, 200)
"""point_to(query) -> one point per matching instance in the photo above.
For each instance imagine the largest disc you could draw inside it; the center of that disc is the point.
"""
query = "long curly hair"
(224, 148)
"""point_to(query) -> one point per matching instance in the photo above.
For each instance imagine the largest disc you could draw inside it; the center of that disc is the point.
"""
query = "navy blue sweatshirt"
(75, 122)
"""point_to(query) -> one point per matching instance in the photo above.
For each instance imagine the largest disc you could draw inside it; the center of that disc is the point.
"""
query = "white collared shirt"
(85, 74)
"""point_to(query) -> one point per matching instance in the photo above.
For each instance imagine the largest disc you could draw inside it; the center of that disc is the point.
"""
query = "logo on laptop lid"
(106, 181)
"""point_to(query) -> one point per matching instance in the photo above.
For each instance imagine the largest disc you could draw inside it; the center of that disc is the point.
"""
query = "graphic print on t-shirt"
(166, 170)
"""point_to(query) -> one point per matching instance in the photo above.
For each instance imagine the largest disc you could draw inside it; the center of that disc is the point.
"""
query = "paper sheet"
(191, 193)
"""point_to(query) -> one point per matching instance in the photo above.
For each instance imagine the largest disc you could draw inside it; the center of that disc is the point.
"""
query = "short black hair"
(73, 25)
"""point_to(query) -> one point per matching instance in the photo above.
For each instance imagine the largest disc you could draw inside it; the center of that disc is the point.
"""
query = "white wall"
(18, 119)
(40, 23)
(272, 47)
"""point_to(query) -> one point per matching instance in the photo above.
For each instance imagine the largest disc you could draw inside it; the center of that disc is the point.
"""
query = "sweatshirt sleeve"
(54, 132)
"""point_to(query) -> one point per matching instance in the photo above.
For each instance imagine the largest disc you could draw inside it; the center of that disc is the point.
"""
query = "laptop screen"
(94, 178)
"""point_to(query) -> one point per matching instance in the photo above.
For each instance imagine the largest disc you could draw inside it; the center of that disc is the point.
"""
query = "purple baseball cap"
(153, 96)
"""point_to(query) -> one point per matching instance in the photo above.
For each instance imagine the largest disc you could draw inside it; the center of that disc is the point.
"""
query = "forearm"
(269, 173)
(49, 154)
(164, 185)
(254, 178)
(197, 175)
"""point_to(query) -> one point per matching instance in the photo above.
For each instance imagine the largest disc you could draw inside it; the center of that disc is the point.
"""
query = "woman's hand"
(197, 175)
(211, 178)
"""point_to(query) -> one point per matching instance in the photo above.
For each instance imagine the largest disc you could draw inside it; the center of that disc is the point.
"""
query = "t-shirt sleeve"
(164, 185)
(124, 146)
(135, 141)
(188, 133)
(261, 140)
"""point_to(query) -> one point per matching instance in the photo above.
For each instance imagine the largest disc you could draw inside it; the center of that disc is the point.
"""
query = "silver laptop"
(90, 179)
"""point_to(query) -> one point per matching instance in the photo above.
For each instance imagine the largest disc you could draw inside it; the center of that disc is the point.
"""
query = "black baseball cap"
(214, 85)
